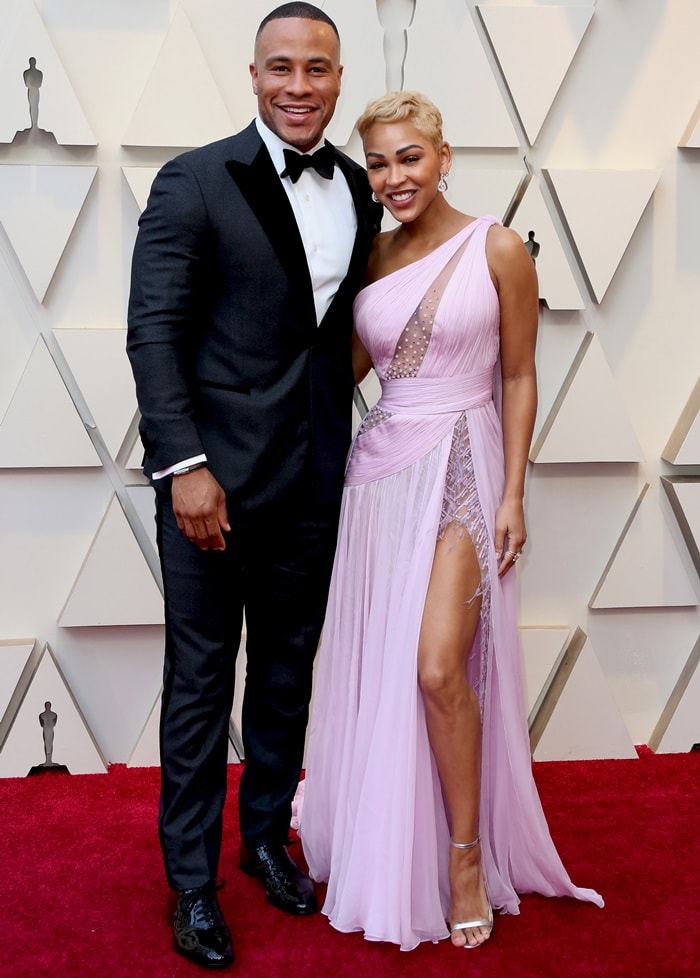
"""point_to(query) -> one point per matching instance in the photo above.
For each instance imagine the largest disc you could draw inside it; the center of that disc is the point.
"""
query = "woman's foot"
(471, 916)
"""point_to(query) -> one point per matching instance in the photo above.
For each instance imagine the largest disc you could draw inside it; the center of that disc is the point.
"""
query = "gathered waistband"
(436, 395)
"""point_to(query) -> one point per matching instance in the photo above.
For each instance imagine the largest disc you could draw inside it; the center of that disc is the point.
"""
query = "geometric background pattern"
(645, 569)
(683, 447)
(617, 197)
(41, 426)
(535, 47)
(592, 147)
(691, 136)
(587, 422)
(60, 112)
(558, 288)
(42, 197)
(189, 89)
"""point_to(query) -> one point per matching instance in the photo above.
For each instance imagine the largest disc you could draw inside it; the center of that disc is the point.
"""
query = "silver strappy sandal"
(483, 922)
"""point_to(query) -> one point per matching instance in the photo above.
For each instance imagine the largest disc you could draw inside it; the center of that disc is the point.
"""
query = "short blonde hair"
(404, 106)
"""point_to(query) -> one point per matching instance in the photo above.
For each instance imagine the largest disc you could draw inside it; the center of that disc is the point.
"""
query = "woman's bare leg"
(450, 620)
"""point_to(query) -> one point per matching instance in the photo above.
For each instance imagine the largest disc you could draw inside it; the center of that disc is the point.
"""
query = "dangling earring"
(375, 198)
(442, 185)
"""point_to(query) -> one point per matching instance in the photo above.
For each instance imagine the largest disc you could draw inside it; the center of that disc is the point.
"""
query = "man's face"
(296, 77)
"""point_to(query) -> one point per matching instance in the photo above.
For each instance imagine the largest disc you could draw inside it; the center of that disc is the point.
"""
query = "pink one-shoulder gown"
(430, 453)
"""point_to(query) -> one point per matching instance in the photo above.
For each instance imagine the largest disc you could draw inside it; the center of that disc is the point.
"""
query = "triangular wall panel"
(41, 427)
(363, 60)
(465, 89)
(146, 753)
(131, 443)
(23, 37)
(678, 729)
(542, 649)
(684, 495)
(238, 50)
(691, 137)
(143, 499)
(181, 104)
(582, 719)
(14, 655)
(645, 569)
(683, 447)
(135, 459)
(19, 330)
(558, 287)
(98, 361)
(73, 743)
(140, 179)
(39, 206)
(115, 585)
(535, 47)
(481, 192)
(587, 422)
(588, 196)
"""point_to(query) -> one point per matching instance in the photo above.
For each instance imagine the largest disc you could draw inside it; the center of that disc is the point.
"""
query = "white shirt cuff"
(161, 473)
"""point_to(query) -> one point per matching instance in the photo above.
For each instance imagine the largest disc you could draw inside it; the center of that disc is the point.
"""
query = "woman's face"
(404, 168)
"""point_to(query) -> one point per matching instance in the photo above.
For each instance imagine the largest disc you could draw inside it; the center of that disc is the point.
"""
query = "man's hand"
(199, 504)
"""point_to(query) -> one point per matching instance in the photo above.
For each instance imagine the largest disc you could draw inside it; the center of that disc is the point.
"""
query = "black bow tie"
(322, 161)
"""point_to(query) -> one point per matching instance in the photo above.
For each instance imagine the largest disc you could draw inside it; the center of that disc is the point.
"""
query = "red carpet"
(82, 891)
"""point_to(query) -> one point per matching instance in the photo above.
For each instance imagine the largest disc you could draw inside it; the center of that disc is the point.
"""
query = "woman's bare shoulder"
(504, 243)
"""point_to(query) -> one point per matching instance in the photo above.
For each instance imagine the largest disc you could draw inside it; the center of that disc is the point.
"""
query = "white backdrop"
(578, 120)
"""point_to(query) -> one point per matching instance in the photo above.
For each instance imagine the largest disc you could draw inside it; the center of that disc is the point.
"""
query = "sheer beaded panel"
(415, 339)
(413, 345)
(461, 511)
(374, 416)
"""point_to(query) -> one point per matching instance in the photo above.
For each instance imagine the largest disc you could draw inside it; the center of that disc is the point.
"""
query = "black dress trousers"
(277, 569)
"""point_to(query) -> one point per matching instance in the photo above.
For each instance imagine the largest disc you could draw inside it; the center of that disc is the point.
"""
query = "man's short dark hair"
(303, 11)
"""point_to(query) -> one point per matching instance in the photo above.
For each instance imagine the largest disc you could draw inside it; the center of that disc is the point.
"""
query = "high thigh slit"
(427, 458)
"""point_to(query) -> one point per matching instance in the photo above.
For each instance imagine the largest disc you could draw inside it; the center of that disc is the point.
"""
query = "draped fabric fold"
(423, 410)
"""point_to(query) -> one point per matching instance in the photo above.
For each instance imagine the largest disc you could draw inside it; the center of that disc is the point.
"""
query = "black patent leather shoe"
(199, 930)
(286, 886)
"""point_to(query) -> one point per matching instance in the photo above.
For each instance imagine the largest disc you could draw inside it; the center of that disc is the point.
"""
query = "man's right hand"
(199, 504)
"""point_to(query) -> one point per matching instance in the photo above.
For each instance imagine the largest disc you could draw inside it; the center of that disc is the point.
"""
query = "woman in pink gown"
(419, 802)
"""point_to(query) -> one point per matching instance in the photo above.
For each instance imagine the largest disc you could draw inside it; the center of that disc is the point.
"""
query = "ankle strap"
(466, 845)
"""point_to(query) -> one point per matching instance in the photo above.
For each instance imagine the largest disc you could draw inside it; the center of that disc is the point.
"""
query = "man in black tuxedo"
(243, 276)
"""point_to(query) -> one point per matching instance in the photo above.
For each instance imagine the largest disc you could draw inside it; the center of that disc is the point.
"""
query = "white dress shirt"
(327, 223)
(325, 216)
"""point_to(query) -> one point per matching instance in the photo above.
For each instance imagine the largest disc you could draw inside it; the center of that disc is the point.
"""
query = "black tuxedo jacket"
(226, 352)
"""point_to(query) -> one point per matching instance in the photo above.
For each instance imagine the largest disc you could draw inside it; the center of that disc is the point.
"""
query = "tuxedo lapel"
(259, 182)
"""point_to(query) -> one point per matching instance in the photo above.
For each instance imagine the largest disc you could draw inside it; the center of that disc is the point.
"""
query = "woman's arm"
(361, 360)
(515, 279)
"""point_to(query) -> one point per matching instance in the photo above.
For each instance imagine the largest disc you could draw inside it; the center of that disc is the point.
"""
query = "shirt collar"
(276, 146)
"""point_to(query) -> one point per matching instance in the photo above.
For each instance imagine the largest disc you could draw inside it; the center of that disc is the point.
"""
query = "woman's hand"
(510, 534)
